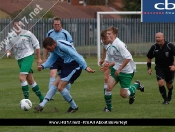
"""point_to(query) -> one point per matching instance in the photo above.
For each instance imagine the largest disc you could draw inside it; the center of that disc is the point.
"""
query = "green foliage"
(131, 5)
(27, 12)
(49, 14)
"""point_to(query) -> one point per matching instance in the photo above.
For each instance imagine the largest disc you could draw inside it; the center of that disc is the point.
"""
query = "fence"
(137, 36)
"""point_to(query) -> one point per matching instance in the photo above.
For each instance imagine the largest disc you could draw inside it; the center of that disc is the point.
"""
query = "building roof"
(61, 9)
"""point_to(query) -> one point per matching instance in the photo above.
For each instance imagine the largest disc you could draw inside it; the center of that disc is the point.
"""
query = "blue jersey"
(66, 51)
(61, 35)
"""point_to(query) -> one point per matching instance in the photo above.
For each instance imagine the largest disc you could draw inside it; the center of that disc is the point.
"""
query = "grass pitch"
(87, 91)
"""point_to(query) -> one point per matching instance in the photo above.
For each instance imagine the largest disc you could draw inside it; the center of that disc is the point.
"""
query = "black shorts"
(164, 73)
(58, 64)
(70, 72)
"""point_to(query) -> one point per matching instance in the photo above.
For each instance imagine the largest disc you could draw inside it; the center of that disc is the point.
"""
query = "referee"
(164, 53)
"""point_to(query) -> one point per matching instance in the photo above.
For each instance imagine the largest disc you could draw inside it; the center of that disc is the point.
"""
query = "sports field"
(87, 91)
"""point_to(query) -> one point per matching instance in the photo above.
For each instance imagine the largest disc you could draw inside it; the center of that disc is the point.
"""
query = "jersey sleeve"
(123, 51)
(150, 53)
(34, 41)
(69, 37)
(50, 60)
(172, 48)
(8, 43)
(71, 51)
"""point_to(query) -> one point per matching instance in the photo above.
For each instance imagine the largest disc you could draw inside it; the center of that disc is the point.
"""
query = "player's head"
(17, 24)
(112, 33)
(49, 44)
(57, 24)
(160, 39)
(104, 37)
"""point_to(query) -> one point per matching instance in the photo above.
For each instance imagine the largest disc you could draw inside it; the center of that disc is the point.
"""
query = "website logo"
(165, 6)
(158, 11)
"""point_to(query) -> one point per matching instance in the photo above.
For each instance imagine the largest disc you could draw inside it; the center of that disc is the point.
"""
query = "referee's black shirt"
(164, 56)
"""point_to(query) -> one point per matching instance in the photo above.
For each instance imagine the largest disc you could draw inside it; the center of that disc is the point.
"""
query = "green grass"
(87, 91)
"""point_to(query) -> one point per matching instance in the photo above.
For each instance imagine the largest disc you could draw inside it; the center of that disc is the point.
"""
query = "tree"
(131, 5)
(99, 2)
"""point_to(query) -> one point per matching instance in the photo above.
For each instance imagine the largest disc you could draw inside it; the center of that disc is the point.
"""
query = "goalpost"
(98, 26)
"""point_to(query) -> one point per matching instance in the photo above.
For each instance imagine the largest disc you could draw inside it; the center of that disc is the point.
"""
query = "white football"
(25, 104)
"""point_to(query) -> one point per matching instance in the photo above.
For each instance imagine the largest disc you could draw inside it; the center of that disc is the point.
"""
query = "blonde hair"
(113, 29)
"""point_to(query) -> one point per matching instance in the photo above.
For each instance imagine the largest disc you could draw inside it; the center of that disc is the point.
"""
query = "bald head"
(160, 39)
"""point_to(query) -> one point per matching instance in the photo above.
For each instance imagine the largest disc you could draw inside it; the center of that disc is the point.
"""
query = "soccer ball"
(25, 104)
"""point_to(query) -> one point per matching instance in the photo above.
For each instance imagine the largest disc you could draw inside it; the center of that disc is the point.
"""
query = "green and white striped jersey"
(117, 52)
(23, 44)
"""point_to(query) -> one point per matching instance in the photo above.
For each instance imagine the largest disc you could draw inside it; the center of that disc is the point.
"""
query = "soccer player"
(105, 70)
(24, 42)
(122, 71)
(71, 70)
(163, 52)
(57, 33)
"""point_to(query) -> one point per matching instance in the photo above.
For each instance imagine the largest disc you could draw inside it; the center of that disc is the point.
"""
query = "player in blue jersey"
(71, 70)
(58, 33)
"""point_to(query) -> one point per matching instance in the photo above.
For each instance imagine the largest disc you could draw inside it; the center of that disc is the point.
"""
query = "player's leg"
(169, 83)
(52, 91)
(127, 89)
(56, 67)
(106, 77)
(69, 74)
(34, 85)
(53, 73)
(108, 94)
(25, 65)
(160, 74)
(112, 81)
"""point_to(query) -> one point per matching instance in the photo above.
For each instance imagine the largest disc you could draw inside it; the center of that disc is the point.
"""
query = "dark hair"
(113, 29)
(48, 41)
(57, 19)
(103, 33)
(16, 20)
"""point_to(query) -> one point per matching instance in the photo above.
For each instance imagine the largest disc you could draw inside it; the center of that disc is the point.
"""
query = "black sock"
(162, 91)
(170, 93)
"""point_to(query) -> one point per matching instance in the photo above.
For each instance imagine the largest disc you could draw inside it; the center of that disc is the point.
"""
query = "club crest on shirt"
(167, 54)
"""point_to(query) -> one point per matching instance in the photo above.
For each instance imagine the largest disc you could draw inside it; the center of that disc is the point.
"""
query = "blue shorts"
(70, 72)
(58, 64)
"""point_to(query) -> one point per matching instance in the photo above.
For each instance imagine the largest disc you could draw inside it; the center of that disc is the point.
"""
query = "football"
(25, 104)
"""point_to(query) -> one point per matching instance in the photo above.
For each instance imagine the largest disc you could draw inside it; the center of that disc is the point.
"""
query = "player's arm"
(51, 59)
(149, 66)
(150, 55)
(39, 61)
(36, 45)
(77, 57)
(8, 49)
(172, 68)
(103, 56)
(45, 55)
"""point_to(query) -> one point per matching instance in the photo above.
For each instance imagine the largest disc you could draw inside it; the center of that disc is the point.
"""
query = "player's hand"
(39, 68)
(44, 60)
(8, 54)
(117, 73)
(88, 69)
(39, 62)
(172, 68)
(104, 68)
(149, 71)
(101, 61)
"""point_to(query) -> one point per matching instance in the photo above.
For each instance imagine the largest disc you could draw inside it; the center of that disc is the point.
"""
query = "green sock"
(38, 92)
(25, 90)
(133, 88)
(108, 99)
(105, 87)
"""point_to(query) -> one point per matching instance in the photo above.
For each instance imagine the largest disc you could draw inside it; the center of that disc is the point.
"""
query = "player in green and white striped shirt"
(123, 70)
(24, 42)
